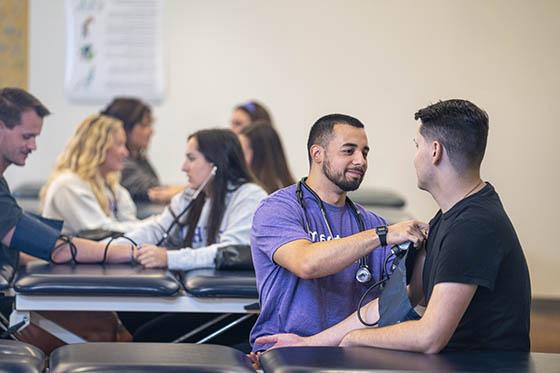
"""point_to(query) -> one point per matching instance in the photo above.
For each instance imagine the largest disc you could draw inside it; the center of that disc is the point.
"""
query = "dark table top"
(362, 359)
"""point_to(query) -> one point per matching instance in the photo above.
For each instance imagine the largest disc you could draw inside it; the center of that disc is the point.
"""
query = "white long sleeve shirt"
(235, 228)
(71, 199)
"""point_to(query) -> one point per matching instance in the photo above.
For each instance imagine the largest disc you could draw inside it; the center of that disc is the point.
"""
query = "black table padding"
(41, 278)
(363, 359)
(18, 357)
(225, 284)
(148, 357)
(377, 197)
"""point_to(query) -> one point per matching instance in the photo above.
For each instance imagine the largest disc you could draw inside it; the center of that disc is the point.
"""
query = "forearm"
(334, 335)
(187, 259)
(328, 257)
(407, 336)
(92, 252)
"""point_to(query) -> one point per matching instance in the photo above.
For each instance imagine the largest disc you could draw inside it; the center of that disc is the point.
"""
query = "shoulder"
(4, 188)
(250, 189)
(285, 195)
(122, 192)
(484, 213)
(248, 195)
(284, 198)
(6, 197)
(68, 180)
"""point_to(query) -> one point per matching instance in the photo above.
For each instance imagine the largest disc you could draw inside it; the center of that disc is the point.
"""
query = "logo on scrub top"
(316, 237)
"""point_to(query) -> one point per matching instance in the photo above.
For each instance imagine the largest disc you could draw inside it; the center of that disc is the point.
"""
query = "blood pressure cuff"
(394, 305)
(36, 236)
(234, 257)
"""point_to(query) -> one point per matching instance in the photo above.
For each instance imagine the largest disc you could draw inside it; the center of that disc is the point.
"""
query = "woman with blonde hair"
(84, 188)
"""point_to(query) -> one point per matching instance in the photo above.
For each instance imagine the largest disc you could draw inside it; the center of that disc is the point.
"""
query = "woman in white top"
(84, 188)
(215, 210)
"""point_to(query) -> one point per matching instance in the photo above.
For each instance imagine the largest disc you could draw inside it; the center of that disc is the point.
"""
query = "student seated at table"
(219, 215)
(215, 210)
(265, 156)
(84, 188)
(138, 175)
(21, 122)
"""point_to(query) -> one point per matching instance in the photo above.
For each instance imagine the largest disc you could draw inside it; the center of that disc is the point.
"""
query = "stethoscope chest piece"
(363, 275)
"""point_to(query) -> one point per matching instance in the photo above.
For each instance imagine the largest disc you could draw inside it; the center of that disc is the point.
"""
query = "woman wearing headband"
(247, 113)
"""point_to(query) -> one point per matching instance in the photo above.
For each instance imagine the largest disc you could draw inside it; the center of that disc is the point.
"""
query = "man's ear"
(317, 154)
(437, 152)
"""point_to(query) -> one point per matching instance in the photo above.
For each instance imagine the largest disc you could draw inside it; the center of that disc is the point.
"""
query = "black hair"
(460, 126)
(222, 148)
(129, 110)
(14, 101)
(322, 129)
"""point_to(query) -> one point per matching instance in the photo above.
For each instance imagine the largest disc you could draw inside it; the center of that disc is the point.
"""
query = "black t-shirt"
(475, 243)
(10, 212)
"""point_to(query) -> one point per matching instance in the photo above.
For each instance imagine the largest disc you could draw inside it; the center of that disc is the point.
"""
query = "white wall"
(377, 60)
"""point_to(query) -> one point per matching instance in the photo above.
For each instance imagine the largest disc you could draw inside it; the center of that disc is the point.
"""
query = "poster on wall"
(13, 43)
(114, 48)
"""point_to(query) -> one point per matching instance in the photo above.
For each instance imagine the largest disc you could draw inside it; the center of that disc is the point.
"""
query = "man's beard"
(339, 178)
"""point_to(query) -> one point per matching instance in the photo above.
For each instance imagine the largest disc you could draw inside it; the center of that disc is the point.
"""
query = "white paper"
(114, 48)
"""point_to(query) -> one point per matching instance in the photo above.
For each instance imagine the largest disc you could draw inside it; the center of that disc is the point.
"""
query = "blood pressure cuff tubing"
(36, 236)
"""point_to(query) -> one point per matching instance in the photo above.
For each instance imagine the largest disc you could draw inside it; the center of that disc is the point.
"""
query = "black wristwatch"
(382, 234)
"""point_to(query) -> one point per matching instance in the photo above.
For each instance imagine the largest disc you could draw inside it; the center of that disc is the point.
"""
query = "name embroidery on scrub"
(316, 237)
(199, 237)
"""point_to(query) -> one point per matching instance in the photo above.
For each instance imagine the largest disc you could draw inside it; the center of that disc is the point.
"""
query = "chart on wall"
(114, 48)
(13, 43)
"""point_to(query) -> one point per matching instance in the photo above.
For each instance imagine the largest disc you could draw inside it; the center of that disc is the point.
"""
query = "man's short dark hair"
(14, 101)
(322, 129)
(462, 128)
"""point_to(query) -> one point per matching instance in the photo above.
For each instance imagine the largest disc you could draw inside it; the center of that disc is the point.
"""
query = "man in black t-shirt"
(21, 121)
(472, 276)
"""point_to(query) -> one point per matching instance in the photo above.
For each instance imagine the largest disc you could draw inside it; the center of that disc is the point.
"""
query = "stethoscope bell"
(363, 275)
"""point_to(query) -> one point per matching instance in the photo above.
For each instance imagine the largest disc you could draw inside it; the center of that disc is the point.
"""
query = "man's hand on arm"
(309, 260)
(431, 333)
(412, 230)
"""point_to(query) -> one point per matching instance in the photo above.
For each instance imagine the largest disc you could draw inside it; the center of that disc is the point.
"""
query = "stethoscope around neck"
(363, 274)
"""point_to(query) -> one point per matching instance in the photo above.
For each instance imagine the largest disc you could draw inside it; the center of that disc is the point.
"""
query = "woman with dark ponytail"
(215, 210)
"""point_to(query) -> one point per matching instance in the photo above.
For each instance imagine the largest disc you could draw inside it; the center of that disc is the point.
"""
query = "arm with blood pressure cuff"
(42, 238)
